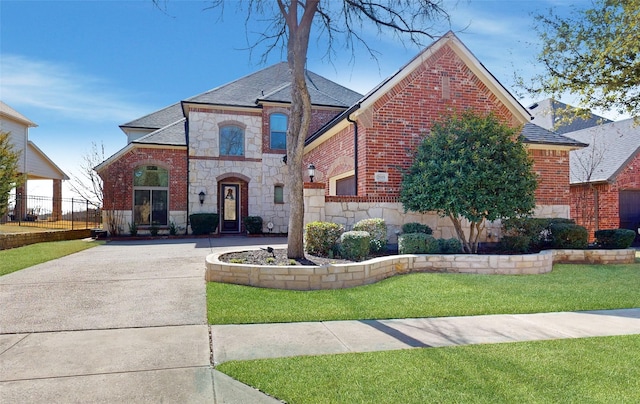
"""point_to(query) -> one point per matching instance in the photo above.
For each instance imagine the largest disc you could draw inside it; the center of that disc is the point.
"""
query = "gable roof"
(462, 52)
(548, 114)
(534, 134)
(41, 166)
(11, 113)
(172, 134)
(611, 147)
(273, 84)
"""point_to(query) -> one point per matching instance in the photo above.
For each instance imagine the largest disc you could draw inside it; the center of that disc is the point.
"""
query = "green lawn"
(22, 257)
(590, 370)
(566, 288)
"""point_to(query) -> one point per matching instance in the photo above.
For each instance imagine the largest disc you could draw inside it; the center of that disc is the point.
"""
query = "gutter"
(355, 152)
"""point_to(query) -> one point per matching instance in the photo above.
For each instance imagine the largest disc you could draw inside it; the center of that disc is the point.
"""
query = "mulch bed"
(277, 257)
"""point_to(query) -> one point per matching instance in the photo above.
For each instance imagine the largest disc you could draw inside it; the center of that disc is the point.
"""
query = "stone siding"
(340, 276)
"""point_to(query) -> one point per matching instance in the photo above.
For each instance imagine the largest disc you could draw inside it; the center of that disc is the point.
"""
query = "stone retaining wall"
(337, 276)
(21, 239)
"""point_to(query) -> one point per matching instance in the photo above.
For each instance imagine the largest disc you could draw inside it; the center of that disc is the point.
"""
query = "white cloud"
(62, 89)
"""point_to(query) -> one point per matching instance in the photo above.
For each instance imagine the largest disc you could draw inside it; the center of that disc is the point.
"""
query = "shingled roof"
(273, 84)
(532, 133)
(172, 134)
(548, 114)
(158, 119)
(611, 147)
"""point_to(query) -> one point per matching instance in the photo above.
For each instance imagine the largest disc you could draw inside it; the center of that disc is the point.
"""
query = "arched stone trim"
(231, 122)
(225, 176)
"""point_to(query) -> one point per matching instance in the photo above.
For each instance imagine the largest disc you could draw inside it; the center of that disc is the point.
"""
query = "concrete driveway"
(121, 322)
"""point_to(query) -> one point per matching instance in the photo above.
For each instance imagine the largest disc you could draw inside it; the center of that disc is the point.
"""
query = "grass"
(566, 288)
(586, 370)
(22, 257)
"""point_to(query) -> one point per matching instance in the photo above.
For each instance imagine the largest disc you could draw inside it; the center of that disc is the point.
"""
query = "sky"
(79, 69)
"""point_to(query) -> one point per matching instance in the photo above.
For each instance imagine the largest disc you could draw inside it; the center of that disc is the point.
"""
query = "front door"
(229, 206)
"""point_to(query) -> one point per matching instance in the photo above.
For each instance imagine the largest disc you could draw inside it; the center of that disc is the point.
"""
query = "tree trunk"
(458, 226)
(299, 121)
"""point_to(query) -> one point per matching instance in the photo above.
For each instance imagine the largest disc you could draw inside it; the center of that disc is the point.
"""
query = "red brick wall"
(552, 168)
(118, 176)
(608, 215)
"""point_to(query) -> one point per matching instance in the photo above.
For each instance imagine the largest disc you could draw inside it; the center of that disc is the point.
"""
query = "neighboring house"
(33, 162)
(557, 116)
(605, 177)
(230, 141)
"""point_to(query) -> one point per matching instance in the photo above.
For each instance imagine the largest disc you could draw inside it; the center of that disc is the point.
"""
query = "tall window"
(278, 194)
(150, 195)
(278, 126)
(231, 141)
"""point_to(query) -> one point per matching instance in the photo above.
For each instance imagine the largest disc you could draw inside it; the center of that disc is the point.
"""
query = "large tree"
(290, 26)
(10, 176)
(593, 54)
(470, 167)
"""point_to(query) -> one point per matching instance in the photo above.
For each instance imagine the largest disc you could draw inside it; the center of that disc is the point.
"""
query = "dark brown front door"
(230, 208)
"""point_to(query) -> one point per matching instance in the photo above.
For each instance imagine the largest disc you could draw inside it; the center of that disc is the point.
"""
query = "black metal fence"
(51, 213)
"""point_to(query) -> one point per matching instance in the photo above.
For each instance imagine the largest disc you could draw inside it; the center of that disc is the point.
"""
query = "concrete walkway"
(126, 322)
(122, 322)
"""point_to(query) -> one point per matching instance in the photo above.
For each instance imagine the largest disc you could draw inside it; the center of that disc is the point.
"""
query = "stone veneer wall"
(349, 275)
(348, 210)
(21, 239)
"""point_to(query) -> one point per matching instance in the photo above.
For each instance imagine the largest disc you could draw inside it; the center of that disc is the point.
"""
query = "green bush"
(526, 234)
(133, 229)
(616, 238)
(415, 227)
(566, 235)
(377, 230)
(355, 245)
(520, 244)
(253, 224)
(449, 246)
(417, 243)
(203, 223)
(320, 237)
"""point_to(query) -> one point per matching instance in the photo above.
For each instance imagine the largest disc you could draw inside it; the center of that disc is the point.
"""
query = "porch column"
(57, 200)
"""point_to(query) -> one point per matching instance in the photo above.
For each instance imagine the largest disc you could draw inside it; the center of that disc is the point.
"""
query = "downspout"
(186, 132)
(355, 152)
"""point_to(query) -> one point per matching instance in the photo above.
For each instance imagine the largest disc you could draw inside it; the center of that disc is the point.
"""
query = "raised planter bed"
(337, 276)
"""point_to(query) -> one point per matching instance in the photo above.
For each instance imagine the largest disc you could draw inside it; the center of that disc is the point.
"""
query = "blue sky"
(81, 68)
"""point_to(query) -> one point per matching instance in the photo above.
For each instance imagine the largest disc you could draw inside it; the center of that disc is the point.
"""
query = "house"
(559, 117)
(605, 177)
(222, 151)
(33, 162)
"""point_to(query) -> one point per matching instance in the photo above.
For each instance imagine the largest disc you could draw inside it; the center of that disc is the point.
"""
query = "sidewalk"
(259, 341)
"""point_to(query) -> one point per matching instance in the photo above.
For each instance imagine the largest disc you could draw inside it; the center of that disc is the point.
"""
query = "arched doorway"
(233, 204)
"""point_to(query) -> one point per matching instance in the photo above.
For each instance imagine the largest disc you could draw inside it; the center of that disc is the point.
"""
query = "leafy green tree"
(594, 54)
(290, 24)
(470, 167)
(10, 176)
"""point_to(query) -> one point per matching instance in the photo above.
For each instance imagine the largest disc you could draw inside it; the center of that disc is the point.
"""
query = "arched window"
(150, 196)
(278, 127)
(231, 140)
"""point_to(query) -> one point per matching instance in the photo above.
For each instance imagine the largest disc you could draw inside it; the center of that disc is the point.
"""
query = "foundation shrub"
(203, 223)
(415, 227)
(253, 224)
(355, 245)
(566, 235)
(377, 230)
(321, 237)
(527, 234)
(615, 238)
(518, 244)
(449, 246)
(418, 243)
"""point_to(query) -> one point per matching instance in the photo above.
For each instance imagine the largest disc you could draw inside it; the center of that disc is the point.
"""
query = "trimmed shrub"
(615, 238)
(518, 244)
(565, 235)
(417, 243)
(415, 227)
(320, 237)
(450, 246)
(204, 223)
(354, 245)
(253, 224)
(377, 230)
(526, 234)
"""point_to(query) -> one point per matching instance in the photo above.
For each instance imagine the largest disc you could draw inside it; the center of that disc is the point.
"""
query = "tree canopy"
(10, 176)
(593, 54)
(472, 167)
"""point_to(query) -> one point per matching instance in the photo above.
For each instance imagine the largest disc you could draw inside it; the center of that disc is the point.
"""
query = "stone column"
(20, 210)
(57, 201)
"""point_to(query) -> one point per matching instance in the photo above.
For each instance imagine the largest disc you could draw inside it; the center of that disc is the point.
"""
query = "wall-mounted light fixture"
(312, 171)
(201, 197)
